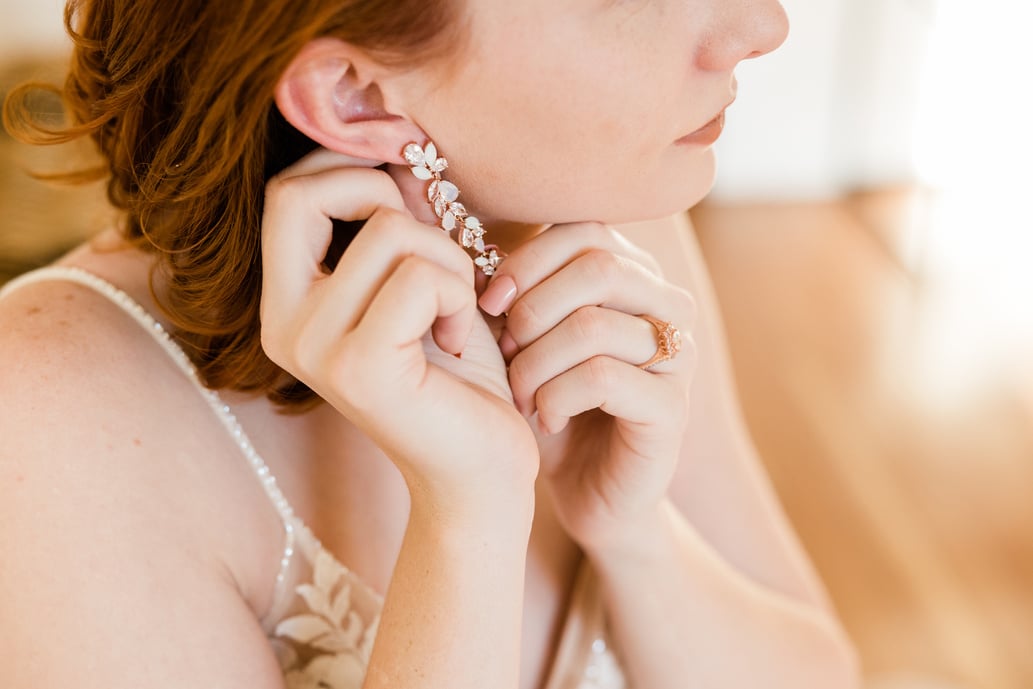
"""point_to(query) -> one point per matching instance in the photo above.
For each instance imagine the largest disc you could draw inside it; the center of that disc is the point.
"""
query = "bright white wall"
(833, 108)
(30, 27)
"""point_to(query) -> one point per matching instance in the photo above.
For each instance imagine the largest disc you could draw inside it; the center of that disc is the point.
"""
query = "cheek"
(547, 134)
(603, 172)
(563, 147)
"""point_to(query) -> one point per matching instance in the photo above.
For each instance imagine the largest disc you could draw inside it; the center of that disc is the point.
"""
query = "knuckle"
(273, 186)
(386, 225)
(589, 324)
(600, 372)
(602, 235)
(528, 254)
(282, 190)
(604, 265)
(414, 270)
(524, 318)
(545, 401)
(520, 374)
(689, 305)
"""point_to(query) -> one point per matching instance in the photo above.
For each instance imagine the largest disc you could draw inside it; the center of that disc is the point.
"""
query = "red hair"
(178, 97)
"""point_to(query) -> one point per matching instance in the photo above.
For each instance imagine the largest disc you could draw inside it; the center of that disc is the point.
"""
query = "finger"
(589, 331)
(377, 251)
(297, 225)
(596, 278)
(335, 304)
(340, 303)
(547, 253)
(636, 397)
(418, 295)
(323, 159)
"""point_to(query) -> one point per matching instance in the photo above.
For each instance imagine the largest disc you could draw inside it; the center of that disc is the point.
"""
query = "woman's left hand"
(574, 340)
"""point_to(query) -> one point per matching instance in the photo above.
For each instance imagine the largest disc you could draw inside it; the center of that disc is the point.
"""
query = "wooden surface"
(910, 487)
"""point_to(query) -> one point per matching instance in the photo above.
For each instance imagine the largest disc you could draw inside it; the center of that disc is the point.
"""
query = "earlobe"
(329, 95)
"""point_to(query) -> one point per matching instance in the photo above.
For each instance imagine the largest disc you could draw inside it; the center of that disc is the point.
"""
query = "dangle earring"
(443, 195)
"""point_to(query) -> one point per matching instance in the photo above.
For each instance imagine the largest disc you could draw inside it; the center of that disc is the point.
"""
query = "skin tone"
(563, 309)
(662, 497)
(643, 75)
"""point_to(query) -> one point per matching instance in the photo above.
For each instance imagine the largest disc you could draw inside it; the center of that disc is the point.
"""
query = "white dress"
(323, 621)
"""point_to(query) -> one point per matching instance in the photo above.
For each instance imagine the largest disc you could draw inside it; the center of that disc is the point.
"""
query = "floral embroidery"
(329, 646)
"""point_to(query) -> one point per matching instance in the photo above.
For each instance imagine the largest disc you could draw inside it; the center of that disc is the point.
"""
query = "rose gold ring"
(668, 341)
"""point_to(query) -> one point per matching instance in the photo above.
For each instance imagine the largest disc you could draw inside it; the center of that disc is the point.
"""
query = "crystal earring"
(443, 195)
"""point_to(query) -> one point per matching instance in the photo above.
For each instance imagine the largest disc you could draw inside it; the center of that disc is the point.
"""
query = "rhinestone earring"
(443, 197)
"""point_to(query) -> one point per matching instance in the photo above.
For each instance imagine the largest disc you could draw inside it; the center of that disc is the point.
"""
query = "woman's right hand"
(363, 337)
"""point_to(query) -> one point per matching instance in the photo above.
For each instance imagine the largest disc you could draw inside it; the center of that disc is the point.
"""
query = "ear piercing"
(443, 195)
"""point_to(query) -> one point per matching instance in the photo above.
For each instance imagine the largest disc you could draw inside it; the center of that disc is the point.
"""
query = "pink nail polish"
(499, 296)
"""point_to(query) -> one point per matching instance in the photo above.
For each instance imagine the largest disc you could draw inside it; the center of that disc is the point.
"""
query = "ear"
(329, 93)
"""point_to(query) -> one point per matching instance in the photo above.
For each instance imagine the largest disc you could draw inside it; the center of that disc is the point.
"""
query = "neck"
(507, 236)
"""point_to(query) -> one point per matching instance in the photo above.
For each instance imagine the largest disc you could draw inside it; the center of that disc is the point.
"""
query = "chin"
(674, 193)
(675, 187)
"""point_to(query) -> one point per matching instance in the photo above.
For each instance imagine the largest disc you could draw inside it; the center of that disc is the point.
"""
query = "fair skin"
(474, 548)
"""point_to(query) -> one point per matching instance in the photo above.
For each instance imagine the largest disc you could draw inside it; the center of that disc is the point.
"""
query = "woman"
(508, 466)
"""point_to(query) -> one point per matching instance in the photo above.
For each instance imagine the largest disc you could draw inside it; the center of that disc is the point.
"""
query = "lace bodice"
(323, 621)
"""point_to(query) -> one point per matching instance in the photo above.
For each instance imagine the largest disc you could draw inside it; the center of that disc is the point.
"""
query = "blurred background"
(871, 252)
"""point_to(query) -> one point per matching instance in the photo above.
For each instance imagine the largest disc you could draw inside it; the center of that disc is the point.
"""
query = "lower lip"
(705, 135)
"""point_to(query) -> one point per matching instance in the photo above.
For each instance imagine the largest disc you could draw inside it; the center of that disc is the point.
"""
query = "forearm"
(452, 616)
(683, 617)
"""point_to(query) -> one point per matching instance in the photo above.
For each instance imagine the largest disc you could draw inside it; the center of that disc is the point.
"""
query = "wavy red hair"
(178, 97)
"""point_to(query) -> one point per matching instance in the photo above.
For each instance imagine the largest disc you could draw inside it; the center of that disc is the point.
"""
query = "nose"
(742, 30)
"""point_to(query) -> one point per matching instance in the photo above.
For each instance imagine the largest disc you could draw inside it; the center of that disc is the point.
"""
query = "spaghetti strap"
(584, 658)
(164, 339)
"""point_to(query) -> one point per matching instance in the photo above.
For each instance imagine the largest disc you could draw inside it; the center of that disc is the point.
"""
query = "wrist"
(484, 514)
(640, 541)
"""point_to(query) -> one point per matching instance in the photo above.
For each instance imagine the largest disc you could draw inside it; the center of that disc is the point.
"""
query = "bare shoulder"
(110, 565)
(70, 356)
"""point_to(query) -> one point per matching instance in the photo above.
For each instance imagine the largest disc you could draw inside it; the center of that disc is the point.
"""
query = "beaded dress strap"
(162, 337)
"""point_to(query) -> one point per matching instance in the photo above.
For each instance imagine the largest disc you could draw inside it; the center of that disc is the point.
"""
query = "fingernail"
(508, 346)
(458, 355)
(499, 296)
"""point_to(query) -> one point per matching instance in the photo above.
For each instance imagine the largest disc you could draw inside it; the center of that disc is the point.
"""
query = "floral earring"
(443, 195)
